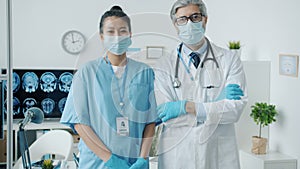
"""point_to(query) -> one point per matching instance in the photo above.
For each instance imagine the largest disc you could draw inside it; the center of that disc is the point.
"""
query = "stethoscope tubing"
(177, 82)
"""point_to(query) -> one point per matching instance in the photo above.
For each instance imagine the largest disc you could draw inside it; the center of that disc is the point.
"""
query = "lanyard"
(121, 89)
(185, 66)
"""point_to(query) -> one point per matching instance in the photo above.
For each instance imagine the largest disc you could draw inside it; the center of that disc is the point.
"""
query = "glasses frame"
(187, 18)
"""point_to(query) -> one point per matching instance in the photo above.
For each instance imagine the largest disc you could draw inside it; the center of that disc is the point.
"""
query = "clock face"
(73, 42)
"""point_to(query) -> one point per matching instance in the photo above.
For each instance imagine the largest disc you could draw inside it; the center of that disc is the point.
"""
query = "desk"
(271, 160)
(46, 125)
(68, 165)
(52, 125)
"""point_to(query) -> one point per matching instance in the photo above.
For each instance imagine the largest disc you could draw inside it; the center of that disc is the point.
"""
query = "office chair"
(56, 142)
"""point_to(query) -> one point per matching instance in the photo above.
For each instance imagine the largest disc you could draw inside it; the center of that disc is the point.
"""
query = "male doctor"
(199, 104)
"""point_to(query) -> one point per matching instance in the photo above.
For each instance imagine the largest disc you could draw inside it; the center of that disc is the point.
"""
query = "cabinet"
(271, 160)
(33, 131)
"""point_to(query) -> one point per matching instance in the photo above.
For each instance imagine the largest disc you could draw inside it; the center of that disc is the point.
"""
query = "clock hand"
(72, 38)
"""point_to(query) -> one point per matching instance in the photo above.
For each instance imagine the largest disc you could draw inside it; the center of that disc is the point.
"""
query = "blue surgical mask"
(191, 33)
(117, 44)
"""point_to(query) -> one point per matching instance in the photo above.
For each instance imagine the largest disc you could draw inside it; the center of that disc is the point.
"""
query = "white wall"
(246, 128)
(39, 26)
(265, 28)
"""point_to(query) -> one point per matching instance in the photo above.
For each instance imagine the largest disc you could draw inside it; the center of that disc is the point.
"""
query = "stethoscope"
(176, 82)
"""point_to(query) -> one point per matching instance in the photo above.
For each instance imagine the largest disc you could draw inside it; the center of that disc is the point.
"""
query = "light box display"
(46, 89)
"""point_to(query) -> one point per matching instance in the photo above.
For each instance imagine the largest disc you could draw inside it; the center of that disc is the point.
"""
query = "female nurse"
(111, 104)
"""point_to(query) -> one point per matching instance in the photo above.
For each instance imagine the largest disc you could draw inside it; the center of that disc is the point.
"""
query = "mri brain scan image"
(16, 82)
(30, 82)
(65, 81)
(48, 105)
(61, 104)
(27, 103)
(46, 89)
(16, 106)
(48, 82)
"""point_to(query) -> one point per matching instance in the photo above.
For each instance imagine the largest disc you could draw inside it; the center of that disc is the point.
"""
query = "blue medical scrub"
(94, 100)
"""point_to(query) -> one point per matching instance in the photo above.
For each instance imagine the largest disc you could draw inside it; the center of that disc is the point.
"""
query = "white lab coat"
(186, 142)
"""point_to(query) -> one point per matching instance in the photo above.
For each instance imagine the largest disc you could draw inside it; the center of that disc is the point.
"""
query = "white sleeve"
(229, 111)
(200, 112)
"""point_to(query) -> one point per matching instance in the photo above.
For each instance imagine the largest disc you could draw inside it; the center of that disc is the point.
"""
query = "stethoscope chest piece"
(176, 83)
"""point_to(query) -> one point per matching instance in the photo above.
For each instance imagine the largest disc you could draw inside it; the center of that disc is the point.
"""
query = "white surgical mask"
(117, 44)
(191, 33)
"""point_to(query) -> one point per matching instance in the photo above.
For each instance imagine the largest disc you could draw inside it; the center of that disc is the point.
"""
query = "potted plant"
(47, 164)
(263, 114)
(235, 46)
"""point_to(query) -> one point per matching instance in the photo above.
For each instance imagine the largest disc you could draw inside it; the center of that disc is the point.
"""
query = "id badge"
(122, 126)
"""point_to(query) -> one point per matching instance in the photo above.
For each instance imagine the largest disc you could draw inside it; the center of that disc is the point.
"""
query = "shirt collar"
(187, 51)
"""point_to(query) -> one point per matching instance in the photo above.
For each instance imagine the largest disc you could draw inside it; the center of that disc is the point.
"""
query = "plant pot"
(237, 51)
(259, 145)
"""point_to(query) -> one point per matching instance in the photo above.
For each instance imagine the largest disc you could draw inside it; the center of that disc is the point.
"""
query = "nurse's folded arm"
(89, 137)
(147, 140)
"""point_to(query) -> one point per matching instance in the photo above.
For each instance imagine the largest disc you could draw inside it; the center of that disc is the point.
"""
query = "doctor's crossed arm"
(170, 110)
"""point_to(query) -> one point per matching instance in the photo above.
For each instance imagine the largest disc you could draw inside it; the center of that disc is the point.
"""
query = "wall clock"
(73, 42)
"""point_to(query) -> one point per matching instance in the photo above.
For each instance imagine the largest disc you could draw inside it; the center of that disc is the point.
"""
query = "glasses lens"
(181, 20)
(196, 17)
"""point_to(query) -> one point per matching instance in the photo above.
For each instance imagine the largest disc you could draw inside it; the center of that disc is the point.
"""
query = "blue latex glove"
(170, 110)
(231, 92)
(115, 162)
(140, 163)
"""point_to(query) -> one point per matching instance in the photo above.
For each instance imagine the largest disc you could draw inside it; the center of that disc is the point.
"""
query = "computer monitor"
(46, 89)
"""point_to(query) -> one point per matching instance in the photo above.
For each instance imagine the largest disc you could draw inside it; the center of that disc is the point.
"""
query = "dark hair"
(114, 11)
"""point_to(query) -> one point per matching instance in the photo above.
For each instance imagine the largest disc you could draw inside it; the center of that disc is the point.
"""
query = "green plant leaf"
(234, 45)
(263, 114)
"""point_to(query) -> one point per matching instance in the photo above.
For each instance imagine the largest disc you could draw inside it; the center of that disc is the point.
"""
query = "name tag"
(122, 126)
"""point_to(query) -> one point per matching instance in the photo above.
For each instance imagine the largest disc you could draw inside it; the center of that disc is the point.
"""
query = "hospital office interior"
(266, 30)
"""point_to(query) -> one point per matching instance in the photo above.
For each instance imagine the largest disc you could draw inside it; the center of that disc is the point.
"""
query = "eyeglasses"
(196, 17)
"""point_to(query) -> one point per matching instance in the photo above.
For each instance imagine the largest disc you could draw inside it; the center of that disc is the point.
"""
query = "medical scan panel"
(48, 105)
(46, 89)
(61, 104)
(30, 82)
(16, 106)
(28, 103)
(48, 82)
(65, 81)
(16, 82)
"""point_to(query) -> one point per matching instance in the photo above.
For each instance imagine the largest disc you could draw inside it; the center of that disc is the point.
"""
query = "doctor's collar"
(201, 50)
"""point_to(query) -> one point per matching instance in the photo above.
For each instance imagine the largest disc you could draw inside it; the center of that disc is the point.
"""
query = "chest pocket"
(139, 96)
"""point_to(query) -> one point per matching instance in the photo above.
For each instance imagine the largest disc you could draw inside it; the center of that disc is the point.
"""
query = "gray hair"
(183, 3)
